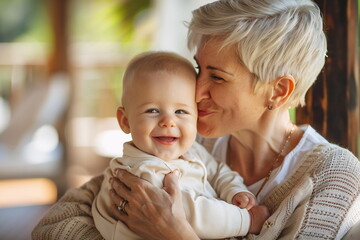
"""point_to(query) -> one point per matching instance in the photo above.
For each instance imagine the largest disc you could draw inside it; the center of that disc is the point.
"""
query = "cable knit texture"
(70, 218)
(319, 201)
(313, 202)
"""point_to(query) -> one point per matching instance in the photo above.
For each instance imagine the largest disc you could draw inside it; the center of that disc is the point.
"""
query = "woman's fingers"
(135, 191)
(120, 215)
(116, 194)
(116, 199)
(126, 178)
(120, 188)
(148, 205)
(131, 187)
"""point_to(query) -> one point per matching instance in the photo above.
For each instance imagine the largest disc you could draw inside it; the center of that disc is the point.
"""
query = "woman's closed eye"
(216, 78)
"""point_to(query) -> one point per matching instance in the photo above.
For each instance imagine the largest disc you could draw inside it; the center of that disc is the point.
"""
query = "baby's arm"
(225, 182)
(258, 213)
(214, 218)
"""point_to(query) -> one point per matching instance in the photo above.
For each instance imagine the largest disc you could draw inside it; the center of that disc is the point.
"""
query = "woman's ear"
(282, 90)
(122, 120)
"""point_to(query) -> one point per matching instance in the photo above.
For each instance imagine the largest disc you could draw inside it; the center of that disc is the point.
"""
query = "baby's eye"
(152, 110)
(180, 111)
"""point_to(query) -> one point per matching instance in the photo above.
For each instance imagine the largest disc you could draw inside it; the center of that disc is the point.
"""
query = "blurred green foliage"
(110, 20)
(89, 20)
(23, 20)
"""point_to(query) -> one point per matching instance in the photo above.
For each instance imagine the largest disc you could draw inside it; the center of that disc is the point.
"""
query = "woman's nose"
(167, 121)
(202, 89)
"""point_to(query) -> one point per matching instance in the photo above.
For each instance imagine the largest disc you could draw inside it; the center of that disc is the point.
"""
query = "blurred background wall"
(61, 63)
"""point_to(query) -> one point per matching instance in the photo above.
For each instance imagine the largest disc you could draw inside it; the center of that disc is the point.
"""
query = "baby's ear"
(122, 120)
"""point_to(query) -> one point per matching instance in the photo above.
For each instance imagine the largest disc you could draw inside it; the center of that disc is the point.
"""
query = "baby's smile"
(166, 140)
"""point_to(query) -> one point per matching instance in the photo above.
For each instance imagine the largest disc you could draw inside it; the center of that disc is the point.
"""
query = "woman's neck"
(252, 154)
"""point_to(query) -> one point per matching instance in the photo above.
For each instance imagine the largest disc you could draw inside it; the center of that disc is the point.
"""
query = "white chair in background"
(29, 145)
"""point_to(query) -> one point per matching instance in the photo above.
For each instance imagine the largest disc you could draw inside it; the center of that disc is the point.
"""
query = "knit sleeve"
(317, 201)
(336, 187)
(70, 218)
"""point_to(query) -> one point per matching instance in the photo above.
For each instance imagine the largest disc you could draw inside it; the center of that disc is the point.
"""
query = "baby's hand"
(244, 200)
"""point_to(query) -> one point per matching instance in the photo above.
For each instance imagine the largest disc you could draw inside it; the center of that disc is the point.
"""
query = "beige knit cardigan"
(311, 204)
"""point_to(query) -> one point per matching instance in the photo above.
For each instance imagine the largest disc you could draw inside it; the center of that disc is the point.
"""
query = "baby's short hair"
(155, 61)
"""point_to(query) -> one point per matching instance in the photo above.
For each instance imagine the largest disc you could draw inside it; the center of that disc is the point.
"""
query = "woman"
(256, 58)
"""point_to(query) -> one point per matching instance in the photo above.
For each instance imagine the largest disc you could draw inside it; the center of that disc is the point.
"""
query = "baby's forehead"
(157, 81)
(146, 75)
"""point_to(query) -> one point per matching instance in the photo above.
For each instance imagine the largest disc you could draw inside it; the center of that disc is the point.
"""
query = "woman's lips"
(166, 140)
(204, 108)
(203, 113)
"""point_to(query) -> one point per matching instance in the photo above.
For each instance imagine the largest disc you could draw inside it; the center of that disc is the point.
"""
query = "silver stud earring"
(269, 107)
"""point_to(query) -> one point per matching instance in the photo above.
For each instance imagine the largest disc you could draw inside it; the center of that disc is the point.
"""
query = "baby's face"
(162, 113)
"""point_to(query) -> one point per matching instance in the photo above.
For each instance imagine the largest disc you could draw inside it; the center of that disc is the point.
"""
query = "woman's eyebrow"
(218, 69)
(215, 68)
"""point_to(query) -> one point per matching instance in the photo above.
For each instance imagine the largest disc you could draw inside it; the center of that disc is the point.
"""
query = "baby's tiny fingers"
(251, 204)
(244, 202)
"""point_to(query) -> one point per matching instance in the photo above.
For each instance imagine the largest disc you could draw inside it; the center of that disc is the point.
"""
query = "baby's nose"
(167, 121)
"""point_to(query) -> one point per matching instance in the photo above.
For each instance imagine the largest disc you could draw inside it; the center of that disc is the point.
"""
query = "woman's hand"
(151, 212)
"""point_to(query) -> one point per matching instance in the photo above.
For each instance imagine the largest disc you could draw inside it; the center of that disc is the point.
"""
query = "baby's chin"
(168, 157)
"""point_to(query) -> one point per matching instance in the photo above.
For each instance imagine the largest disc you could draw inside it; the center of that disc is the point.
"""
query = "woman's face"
(224, 92)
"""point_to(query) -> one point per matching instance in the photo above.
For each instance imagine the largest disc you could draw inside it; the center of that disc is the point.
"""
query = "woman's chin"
(205, 130)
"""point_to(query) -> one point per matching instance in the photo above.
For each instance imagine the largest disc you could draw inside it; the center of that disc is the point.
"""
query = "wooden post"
(58, 63)
(58, 59)
(332, 104)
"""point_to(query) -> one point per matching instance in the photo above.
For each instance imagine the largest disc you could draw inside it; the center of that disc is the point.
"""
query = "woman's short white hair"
(272, 37)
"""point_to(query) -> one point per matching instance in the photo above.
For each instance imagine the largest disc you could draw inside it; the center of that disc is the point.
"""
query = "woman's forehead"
(214, 49)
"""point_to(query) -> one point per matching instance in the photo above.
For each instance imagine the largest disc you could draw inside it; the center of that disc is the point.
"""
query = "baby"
(159, 110)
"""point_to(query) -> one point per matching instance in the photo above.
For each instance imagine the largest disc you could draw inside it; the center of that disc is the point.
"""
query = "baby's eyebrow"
(147, 104)
(183, 105)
